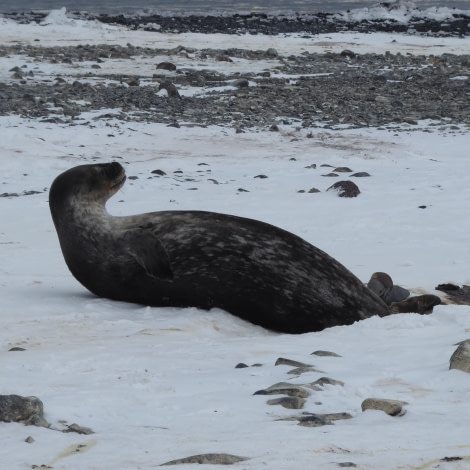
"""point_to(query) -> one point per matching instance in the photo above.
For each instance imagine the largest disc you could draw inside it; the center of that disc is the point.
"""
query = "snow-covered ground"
(159, 384)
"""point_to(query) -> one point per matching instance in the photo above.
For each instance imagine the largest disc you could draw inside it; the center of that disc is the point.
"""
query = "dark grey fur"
(202, 259)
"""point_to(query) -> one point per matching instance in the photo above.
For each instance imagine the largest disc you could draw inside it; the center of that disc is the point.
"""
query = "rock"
(241, 365)
(240, 83)
(27, 410)
(360, 174)
(347, 53)
(171, 90)
(315, 420)
(313, 190)
(461, 358)
(293, 403)
(78, 429)
(343, 169)
(133, 81)
(345, 189)
(284, 388)
(281, 361)
(158, 172)
(325, 353)
(302, 370)
(29, 440)
(17, 348)
(391, 407)
(166, 66)
(261, 177)
(326, 381)
(271, 52)
(208, 459)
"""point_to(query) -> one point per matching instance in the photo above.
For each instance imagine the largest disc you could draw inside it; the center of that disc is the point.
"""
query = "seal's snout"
(116, 174)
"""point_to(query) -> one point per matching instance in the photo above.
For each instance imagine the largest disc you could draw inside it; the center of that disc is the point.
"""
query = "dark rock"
(16, 348)
(313, 190)
(158, 172)
(262, 177)
(345, 189)
(347, 53)
(166, 66)
(360, 174)
(325, 353)
(240, 83)
(343, 169)
(171, 89)
(241, 365)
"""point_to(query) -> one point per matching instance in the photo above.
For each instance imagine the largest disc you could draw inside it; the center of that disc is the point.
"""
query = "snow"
(157, 384)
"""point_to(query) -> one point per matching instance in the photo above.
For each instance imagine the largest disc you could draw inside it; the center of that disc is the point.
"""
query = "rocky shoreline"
(458, 25)
(309, 90)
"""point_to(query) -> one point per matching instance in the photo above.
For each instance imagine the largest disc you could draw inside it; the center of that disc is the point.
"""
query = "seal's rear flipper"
(420, 304)
(150, 254)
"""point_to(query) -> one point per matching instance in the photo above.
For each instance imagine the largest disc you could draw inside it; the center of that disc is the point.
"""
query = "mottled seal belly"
(251, 269)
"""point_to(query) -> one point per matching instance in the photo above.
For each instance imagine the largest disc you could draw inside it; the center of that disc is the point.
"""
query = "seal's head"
(85, 186)
(96, 182)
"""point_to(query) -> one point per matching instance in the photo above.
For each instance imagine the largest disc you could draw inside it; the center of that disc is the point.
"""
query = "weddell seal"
(251, 269)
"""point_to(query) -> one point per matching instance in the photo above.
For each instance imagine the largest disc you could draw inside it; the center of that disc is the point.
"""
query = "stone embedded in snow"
(345, 189)
(293, 403)
(315, 420)
(78, 429)
(325, 353)
(208, 459)
(461, 358)
(391, 407)
(281, 361)
(326, 381)
(284, 388)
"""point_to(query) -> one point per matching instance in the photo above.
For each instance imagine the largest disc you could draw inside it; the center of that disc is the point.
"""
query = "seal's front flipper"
(150, 254)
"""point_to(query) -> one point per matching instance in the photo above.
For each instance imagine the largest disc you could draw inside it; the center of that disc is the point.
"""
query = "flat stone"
(284, 388)
(208, 459)
(391, 407)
